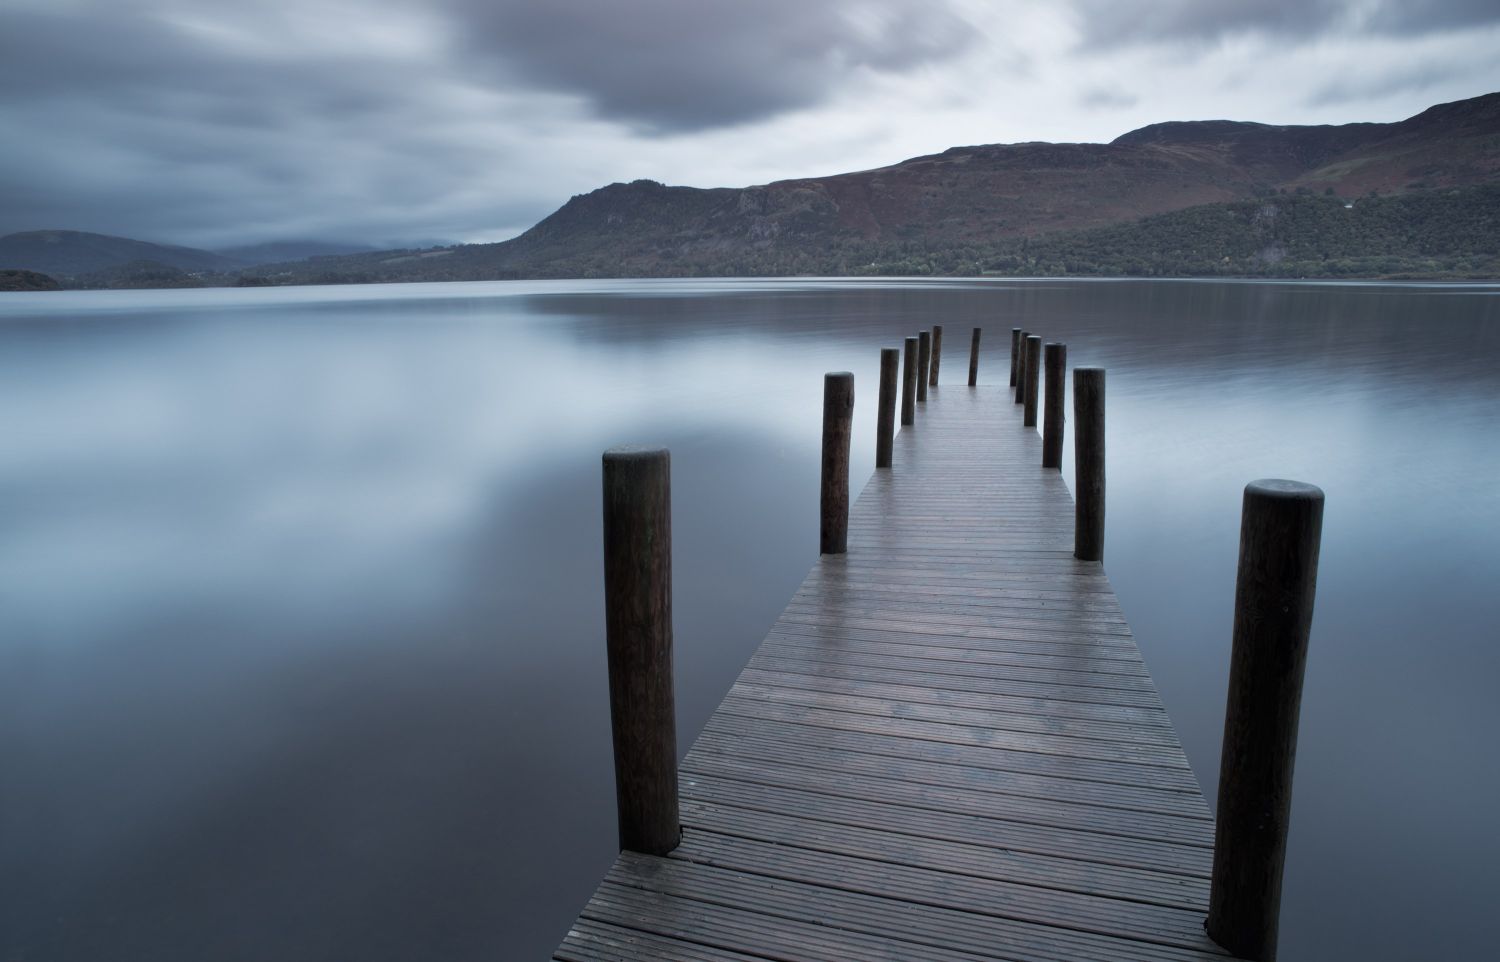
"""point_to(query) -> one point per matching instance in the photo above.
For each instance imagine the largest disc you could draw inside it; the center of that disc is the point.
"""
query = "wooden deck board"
(948, 746)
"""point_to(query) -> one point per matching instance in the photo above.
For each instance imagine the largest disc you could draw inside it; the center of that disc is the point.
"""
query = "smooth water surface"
(301, 639)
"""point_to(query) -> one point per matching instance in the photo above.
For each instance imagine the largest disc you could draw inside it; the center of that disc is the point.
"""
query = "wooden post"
(1088, 463)
(937, 352)
(838, 420)
(885, 423)
(1056, 365)
(909, 383)
(1033, 376)
(924, 359)
(638, 635)
(1280, 531)
(1018, 358)
(1016, 334)
(974, 359)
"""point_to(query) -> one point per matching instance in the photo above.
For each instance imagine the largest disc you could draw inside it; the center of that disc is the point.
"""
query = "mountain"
(69, 253)
(964, 210)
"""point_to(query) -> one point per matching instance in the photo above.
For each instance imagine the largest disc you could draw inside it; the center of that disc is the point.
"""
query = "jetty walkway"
(948, 747)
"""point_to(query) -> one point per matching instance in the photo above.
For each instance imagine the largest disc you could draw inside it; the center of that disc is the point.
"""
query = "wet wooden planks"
(948, 746)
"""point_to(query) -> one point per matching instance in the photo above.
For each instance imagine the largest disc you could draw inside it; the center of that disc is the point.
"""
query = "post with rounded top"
(974, 359)
(885, 422)
(1056, 365)
(1088, 463)
(909, 382)
(838, 420)
(638, 635)
(1018, 358)
(1016, 334)
(924, 361)
(1280, 531)
(1033, 376)
(937, 353)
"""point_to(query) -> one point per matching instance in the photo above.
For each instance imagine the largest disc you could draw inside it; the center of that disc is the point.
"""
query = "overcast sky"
(210, 123)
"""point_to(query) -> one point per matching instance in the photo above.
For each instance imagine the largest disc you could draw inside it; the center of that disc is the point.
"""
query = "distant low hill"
(68, 253)
(98, 259)
(15, 280)
(974, 208)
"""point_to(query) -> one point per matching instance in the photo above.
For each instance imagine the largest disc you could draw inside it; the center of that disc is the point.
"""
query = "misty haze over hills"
(71, 253)
(1420, 196)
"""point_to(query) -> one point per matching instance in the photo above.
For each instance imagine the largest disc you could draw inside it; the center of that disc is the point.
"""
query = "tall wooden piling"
(1280, 531)
(1019, 361)
(974, 359)
(909, 382)
(885, 419)
(838, 421)
(1088, 463)
(924, 360)
(638, 634)
(1055, 363)
(1033, 378)
(937, 353)
(1016, 334)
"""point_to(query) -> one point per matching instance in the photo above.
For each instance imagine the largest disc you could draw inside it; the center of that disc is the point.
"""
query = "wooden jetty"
(948, 746)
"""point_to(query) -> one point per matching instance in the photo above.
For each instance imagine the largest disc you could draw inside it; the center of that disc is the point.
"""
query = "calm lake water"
(301, 638)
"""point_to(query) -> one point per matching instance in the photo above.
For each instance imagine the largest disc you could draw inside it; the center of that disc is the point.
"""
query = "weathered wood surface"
(948, 746)
(1280, 533)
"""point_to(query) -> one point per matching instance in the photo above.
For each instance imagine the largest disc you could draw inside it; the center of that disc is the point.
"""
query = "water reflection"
(300, 631)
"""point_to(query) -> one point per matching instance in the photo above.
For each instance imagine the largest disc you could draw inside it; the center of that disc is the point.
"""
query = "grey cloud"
(1381, 84)
(117, 122)
(187, 122)
(1109, 23)
(684, 65)
(1107, 98)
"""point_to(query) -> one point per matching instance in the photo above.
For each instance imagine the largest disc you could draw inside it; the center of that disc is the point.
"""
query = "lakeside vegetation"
(1426, 233)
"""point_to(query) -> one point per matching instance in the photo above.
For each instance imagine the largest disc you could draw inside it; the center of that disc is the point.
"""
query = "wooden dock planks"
(948, 746)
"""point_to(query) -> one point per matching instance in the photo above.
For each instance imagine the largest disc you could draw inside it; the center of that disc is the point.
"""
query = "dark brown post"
(1280, 531)
(638, 634)
(1019, 358)
(974, 359)
(1016, 334)
(838, 419)
(1056, 365)
(909, 383)
(1033, 376)
(885, 421)
(924, 360)
(937, 352)
(1088, 463)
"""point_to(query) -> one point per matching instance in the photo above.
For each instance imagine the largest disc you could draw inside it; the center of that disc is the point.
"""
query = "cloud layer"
(683, 65)
(1114, 22)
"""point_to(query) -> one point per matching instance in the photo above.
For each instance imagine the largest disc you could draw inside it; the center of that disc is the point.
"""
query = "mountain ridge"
(967, 197)
(977, 208)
